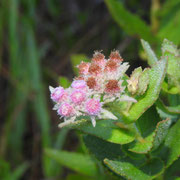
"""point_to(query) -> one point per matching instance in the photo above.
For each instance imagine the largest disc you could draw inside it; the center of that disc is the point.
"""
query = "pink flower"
(111, 66)
(112, 86)
(78, 96)
(93, 107)
(115, 56)
(79, 84)
(95, 69)
(83, 68)
(99, 58)
(57, 94)
(66, 110)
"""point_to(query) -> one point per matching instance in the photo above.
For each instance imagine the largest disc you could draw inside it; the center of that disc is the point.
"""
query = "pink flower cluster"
(99, 80)
(75, 101)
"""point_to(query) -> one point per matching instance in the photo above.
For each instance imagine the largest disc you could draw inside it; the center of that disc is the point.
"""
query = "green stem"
(155, 6)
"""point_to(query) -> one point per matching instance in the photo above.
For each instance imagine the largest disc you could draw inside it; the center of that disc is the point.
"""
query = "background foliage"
(40, 40)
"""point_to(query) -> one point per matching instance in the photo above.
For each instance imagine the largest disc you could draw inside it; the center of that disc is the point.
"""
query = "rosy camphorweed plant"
(99, 82)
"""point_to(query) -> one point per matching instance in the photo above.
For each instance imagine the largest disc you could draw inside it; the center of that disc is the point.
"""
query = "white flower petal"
(93, 121)
(51, 89)
(105, 114)
(127, 98)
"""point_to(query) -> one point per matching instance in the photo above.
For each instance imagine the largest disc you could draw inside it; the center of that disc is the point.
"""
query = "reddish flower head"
(99, 59)
(83, 68)
(111, 66)
(115, 56)
(91, 82)
(112, 86)
(95, 69)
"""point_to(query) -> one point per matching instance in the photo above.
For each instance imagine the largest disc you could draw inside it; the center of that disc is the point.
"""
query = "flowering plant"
(133, 132)
(100, 82)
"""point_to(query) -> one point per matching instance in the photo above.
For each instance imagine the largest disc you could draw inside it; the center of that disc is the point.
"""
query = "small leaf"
(143, 146)
(131, 171)
(153, 132)
(156, 77)
(151, 57)
(78, 162)
(134, 80)
(170, 50)
(170, 90)
(171, 150)
(160, 133)
(130, 23)
(166, 112)
(143, 82)
(172, 171)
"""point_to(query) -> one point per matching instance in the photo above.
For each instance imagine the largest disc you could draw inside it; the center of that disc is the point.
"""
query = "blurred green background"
(40, 42)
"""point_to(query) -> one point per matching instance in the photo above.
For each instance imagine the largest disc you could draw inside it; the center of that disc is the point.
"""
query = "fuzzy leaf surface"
(156, 77)
(102, 149)
(171, 148)
(151, 57)
(105, 129)
(132, 171)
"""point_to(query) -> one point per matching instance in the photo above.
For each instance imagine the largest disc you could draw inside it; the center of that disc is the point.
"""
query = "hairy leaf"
(156, 77)
(171, 51)
(105, 129)
(132, 171)
(102, 149)
(171, 150)
(151, 57)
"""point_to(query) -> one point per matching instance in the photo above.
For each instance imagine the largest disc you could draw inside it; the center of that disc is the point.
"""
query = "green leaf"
(102, 149)
(76, 60)
(156, 77)
(105, 129)
(19, 171)
(143, 146)
(143, 82)
(151, 57)
(133, 82)
(153, 132)
(64, 82)
(160, 133)
(131, 171)
(76, 161)
(171, 150)
(170, 28)
(169, 90)
(171, 51)
(167, 112)
(132, 155)
(130, 23)
(172, 171)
